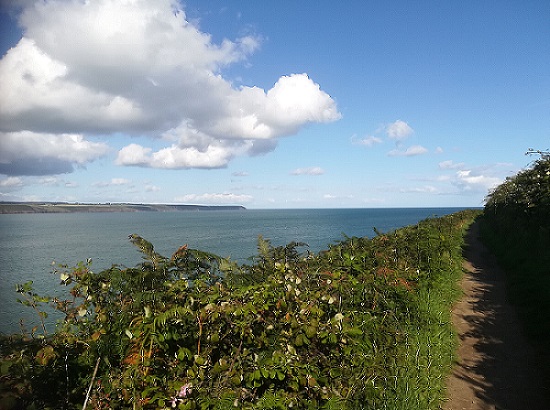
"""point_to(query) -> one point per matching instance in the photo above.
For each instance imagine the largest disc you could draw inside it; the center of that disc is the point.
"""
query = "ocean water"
(29, 243)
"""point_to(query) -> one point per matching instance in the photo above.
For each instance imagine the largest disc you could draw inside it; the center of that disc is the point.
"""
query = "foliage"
(524, 199)
(360, 325)
(517, 228)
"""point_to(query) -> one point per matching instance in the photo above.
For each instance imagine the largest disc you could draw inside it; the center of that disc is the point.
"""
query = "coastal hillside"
(63, 207)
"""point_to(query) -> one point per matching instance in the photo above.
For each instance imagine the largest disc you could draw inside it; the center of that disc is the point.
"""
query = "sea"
(32, 245)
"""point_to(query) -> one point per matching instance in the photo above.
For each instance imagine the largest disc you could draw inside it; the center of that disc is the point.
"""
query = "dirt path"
(496, 369)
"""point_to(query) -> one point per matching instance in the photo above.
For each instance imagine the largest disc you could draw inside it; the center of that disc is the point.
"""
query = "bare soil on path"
(496, 367)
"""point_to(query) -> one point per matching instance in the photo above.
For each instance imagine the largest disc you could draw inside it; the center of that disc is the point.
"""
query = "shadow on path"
(497, 368)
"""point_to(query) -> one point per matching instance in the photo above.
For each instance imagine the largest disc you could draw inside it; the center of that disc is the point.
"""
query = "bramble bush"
(363, 324)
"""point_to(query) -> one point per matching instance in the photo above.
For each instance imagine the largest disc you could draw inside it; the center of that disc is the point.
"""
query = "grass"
(426, 356)
(432, 345)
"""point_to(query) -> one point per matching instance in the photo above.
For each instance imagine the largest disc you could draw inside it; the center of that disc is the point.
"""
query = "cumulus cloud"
(470, 180)
(141, 68)
(308, 171)
(409, 152)
(31, 153)
(133, 154)
(398, 130)
(209, 153)
(214, 198)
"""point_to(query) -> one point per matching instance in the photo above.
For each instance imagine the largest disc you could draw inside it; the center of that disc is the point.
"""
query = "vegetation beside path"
(363, 324)
(516, 226)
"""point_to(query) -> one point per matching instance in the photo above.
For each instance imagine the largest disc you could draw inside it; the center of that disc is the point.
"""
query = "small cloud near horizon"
(368, 141)
(240, 174)
(112, 182)
(450, 164)
(409, 152)
(308, 171)
(214, 198)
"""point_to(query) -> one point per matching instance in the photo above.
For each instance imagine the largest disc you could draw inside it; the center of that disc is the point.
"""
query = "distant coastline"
(65, 207)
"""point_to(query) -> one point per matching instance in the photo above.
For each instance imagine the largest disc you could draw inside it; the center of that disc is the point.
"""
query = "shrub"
(363, 323)
(517, 228)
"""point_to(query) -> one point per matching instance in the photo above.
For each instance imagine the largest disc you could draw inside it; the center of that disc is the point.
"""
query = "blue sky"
(287, 104)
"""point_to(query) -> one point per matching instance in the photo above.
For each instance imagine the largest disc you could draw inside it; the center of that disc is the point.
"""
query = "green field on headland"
(64, 207)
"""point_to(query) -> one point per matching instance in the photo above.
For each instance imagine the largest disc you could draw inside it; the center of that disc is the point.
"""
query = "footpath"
(496, 367)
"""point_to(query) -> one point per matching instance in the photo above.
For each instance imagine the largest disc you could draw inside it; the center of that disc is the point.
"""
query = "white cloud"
(112, 182)
(295, 100)
(470, 180)
(140, 68)
(49, 181)
(174, 157)
(427, 189)
(11, 182)
(398, 130)
(214, 198)
(133, 154)
(30, 153)
(409, 152)
(120, 181)
(208, 153)
(334, 197)
(19, 198)
(152, 188)
(450, 165)
(367, 141)
(308, 171)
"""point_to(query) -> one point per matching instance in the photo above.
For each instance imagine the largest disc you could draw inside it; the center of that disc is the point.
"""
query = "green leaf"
(184, 353)
(200, 360)
(25, 287)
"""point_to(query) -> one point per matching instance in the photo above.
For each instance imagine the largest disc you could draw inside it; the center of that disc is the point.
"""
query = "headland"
(66, 207)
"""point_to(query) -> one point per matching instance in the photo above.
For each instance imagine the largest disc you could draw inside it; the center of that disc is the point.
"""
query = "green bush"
(364, 324)
(517, 228)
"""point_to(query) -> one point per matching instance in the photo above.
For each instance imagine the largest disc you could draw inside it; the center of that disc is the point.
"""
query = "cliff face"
(55, 207)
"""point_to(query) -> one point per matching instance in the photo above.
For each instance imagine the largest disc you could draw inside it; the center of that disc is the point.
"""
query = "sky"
(280, 104)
